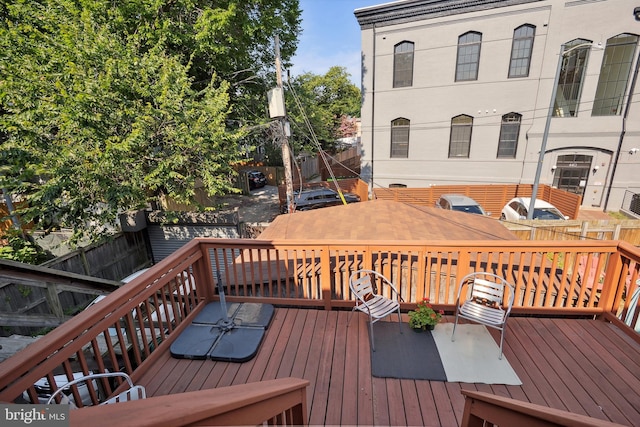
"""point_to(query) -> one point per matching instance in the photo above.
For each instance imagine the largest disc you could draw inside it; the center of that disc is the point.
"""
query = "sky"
(330, 37)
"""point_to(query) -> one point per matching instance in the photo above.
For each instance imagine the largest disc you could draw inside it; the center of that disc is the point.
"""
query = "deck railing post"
(203, 272)
(325, 276)
(464, 264)
(612, 280)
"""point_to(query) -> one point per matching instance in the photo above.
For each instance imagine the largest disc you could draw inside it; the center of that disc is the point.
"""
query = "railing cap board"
(187, 408)
(545, 414)
(513, 245)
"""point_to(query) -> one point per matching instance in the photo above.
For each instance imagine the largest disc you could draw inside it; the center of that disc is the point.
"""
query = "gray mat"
(408, 355)
(473, 356)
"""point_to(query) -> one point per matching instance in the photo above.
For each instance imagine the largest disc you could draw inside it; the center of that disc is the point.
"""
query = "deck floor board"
(585, 366)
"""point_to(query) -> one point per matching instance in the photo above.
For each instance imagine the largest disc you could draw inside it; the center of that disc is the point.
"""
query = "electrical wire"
(418, 201)
(314, 139)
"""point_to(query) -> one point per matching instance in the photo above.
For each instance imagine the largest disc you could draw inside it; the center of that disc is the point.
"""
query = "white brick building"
(458, 92)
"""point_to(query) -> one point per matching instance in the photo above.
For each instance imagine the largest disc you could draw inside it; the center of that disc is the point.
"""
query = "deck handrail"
(558, 278)
(113, 320)
(281, 402)
(481, 407)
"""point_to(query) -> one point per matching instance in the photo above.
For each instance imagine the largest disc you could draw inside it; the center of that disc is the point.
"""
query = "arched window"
(572, 72)
(460, 140)
(521, 49)
(614, 75)
(468, 56)
(403, 64)
(509, 132)
(400, 138)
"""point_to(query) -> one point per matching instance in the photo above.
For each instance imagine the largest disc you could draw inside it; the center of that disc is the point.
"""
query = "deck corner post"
(326, 277)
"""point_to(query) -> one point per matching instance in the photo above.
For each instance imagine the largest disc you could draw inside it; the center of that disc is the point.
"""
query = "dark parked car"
(256, 179)
(320, 198)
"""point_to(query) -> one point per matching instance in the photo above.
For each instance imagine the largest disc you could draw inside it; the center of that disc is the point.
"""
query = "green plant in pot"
(424, 317)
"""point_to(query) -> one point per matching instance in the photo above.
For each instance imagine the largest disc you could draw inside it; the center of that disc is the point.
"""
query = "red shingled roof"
(385, 220)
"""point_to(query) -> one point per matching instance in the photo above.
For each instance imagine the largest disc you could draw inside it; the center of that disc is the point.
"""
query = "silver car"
(460, 203)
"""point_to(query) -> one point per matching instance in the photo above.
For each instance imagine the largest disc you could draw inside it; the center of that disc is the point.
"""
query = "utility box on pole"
(276, 103)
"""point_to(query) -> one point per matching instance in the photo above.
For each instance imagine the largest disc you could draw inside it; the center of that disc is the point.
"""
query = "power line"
(315, 141)
(445, 124)
(419, 203)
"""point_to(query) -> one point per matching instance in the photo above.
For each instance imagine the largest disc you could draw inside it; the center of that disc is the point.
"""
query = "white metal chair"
(631, 311)
(134, 392)
(484, 302)
(370, 302)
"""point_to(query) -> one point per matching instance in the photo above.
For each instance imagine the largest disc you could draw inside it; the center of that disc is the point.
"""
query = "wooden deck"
(582, 366)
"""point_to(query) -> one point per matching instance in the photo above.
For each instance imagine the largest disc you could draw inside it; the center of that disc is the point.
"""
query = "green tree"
(323, 101)
(16, 247)
(106, 105)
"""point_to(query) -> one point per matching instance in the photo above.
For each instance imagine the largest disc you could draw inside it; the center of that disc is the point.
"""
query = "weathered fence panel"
(111, 260)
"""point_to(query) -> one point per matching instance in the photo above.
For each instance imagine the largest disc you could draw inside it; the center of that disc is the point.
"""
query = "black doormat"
(407, 355)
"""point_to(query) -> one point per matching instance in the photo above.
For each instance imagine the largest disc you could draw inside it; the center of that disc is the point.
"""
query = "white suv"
(518, 208)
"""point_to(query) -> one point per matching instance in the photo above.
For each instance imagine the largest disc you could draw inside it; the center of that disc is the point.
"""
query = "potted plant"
(424, 317)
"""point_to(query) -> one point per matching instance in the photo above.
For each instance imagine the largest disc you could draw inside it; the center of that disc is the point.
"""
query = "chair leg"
(453, 334)
(399, 320)
(350, 316)
(501, 342)
(373, 347)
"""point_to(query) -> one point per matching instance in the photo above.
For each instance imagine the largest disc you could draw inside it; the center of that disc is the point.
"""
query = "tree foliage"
(16, 247)
(323, 102)
(105, 105)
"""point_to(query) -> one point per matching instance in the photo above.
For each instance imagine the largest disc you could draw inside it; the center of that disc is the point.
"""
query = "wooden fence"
(491, 197)
(345, 164)
(613, 229)
(39, 297)
(5, 221)
(47, 299)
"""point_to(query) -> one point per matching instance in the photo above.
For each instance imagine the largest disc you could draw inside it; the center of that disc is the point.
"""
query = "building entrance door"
(572, 173)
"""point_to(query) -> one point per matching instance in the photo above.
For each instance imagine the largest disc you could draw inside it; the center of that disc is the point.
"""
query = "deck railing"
(122, 332)
(482, 409)
(549, 277)
(275, 402)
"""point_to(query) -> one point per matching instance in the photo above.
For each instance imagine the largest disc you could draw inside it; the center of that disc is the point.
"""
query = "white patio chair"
(134, 392)
(371, 303)
(484, 302)
(633, 304)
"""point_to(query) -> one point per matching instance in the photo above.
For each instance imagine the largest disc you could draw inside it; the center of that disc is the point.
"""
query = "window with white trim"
(614, 75)
(572, 72)
(460, 139)
(400, 138)
(468, 59)
(521, 50)
(403, 64)
(509, 133)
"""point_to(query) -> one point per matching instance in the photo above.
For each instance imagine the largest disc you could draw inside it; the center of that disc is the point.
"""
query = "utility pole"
(282, 121)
